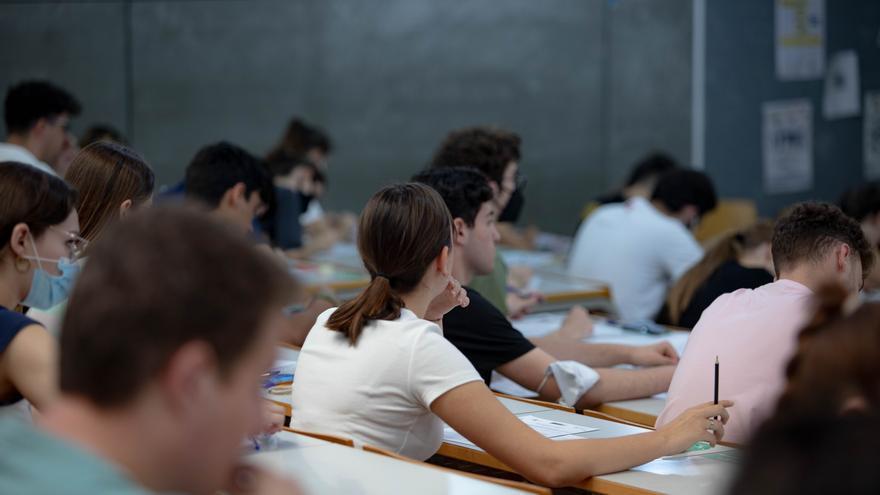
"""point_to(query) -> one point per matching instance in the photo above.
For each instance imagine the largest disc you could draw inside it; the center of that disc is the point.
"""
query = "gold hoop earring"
(18, 268)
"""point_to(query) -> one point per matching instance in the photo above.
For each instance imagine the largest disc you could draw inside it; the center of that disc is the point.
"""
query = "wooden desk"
(323, 467)
(562, 291)
(702, 474)
(640, 411)
(286, 353)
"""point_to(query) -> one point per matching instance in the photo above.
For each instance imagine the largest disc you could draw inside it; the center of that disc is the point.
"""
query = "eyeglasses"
(75, 244)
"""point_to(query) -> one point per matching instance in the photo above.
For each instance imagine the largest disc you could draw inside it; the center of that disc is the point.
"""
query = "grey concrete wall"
(590, 84)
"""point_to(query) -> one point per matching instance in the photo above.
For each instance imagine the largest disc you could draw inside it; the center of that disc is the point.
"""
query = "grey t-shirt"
(35, 463)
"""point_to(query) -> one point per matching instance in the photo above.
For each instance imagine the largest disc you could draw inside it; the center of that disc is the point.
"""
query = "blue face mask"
(47, 291)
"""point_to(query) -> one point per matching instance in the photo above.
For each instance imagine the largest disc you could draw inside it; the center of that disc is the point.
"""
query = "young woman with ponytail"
(740, 260)
(378, 369)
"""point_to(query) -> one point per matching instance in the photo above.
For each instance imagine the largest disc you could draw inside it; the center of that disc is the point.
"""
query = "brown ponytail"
(726, 249)
(837, 358)
(402, 229)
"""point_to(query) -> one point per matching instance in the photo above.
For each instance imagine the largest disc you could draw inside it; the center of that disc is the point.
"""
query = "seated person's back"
(383, 387)
(740, 260)
(753, 332)
(641, 247)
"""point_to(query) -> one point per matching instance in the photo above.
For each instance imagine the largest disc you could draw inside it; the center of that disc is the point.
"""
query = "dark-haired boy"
(485, 336)
(641, 247)
(753, 332)
(37, 116)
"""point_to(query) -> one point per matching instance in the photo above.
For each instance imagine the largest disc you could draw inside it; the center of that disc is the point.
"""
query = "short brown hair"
(810, 229)
(487, 149)
(402, 229)
(106, 174)
(165, 277)
(32, 197)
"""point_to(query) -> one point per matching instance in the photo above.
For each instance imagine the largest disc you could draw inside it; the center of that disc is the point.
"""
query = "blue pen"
(256, 443)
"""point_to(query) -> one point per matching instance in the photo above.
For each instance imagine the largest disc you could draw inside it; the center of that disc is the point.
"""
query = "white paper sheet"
(555, 430)
(800, 39)
(841, 98)
(871, 135)
(788, 146)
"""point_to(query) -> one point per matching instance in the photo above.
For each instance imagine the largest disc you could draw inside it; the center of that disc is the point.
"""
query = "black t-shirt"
(484, 335)
(728, 277)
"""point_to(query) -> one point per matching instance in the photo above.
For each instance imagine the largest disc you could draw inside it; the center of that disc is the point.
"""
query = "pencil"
(716, 379)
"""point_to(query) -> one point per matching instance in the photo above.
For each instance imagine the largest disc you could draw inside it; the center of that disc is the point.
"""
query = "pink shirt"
(754, 334)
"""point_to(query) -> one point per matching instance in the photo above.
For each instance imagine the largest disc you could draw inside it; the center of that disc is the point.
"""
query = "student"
(378, 369)
(753, 331)
(642, 179)
(306, 140)
(298, 182)
(488, 340)
(641, 247)
(231, 182)
(112, 181)
(740, 260)
(37, 116)
(281, 221)
(823, 435)
(862, 203)
(168, 331)
(495, 153)
(40, 233)
(236, 187)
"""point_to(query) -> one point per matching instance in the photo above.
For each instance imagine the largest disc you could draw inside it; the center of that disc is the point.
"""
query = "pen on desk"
(256, 443)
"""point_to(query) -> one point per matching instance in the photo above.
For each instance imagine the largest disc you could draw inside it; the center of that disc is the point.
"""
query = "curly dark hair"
(487, 149)
(810, 229)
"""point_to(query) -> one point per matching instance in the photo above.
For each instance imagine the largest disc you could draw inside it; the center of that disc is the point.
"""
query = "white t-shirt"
(15, 153)
(637, 250)
(379, 391)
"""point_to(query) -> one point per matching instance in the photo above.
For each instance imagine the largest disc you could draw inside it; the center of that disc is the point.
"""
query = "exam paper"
(554, 430)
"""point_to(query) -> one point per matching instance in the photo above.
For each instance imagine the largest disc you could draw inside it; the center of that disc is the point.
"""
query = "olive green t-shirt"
(494, 285)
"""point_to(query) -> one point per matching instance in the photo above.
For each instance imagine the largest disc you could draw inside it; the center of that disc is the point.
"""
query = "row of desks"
(707, 473)
(319, 466)
(341, 270)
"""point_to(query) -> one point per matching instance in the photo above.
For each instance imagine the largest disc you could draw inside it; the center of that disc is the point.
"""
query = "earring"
(18, 267)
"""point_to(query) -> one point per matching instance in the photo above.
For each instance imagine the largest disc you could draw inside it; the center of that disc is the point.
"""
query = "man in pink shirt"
(753, 332)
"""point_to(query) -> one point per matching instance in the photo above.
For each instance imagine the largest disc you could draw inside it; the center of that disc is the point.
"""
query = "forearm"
(583, 459)
(593, 355)
(617, 384)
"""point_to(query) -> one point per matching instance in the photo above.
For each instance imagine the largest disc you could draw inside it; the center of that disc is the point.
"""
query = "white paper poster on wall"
(788, 146)
(800, 39)
(871, 136)
(841, 98)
